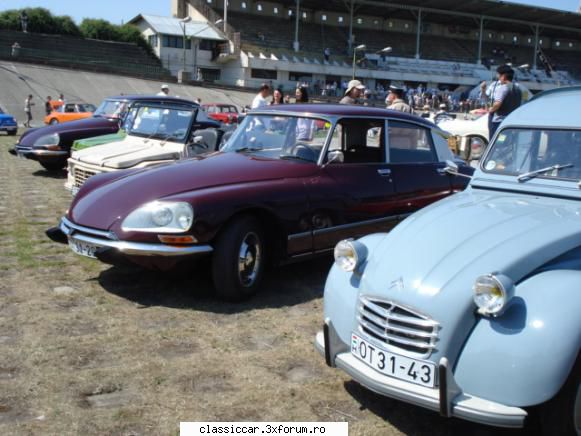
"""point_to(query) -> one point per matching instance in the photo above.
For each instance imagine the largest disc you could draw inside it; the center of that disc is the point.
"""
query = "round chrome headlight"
(349, 254)
(491, 293)
(161, 216)
(48, 141)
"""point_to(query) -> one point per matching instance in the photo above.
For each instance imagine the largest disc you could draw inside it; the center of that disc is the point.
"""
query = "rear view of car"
(8, 124)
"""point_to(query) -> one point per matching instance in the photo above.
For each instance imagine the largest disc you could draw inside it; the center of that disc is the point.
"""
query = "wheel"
(54, 121)
(238, 260)
(53, 166)
(562, 414)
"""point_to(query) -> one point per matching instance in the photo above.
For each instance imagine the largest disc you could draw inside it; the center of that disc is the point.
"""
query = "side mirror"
(452, 169)
(335, 156)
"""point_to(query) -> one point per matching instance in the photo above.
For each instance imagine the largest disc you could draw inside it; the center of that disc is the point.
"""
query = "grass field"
(94, 350)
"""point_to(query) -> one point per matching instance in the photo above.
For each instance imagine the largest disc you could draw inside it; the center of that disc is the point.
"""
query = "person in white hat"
(164, 90)
(353, 92)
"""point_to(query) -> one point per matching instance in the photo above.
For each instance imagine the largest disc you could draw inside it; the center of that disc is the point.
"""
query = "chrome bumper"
(448, 399)
(38, 152)
(102, 238)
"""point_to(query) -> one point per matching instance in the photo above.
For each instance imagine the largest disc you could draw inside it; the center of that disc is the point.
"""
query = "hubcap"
(249, 258)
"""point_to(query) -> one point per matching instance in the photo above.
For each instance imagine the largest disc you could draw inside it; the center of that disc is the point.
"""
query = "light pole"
(355, 50)
(183, 23)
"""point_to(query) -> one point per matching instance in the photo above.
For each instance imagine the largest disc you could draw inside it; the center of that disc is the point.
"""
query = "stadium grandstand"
(438, 43)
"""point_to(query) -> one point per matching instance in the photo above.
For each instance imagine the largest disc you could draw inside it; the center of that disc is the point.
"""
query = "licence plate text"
(83, 248)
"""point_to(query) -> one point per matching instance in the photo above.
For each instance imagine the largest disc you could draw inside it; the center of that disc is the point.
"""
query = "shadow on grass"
(193, 289)
(410, 419)
(53, 174)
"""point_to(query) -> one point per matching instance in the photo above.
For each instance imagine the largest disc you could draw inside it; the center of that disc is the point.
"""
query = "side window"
(360, 140)
(410, 143)
(69, 108)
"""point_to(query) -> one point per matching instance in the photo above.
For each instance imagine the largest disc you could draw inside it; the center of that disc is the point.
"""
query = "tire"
(53, 121)
(53, 166)
(562, 414)
(243, 238)
(13, 133)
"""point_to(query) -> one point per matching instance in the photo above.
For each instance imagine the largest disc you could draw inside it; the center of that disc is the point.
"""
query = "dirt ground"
(90, 349)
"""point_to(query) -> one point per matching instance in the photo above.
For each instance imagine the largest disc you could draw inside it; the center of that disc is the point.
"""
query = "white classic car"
(471, 135)
(156, 133)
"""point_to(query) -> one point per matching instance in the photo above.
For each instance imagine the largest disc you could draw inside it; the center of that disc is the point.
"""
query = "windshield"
(111, 109)
(87, 107)
(280, 137)
(161, 123)
(521, 151)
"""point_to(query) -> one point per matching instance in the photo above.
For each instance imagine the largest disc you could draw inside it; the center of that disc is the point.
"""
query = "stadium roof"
(492, 10)
(173, 26)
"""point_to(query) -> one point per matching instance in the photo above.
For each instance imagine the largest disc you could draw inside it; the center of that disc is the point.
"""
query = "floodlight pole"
(418, 33)
(536, 47)
(351, 13)
(225, 15)
(480, 36)
(296, 44)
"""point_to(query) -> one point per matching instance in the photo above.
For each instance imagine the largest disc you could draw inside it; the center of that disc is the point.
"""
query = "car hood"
(6, 117)
(109, 203)
(66, 128)
(129, 152)
(431, 260)
(463, 127)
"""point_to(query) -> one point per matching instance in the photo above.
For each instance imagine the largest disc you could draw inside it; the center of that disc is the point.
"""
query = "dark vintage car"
(288, 185)
(51, 145)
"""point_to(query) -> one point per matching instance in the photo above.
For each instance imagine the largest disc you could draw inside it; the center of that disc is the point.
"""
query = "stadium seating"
(84, 54)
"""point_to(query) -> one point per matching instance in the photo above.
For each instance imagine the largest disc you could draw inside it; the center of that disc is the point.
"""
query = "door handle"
(384, 172)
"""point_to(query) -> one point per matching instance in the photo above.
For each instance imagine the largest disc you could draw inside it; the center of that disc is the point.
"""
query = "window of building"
(540, 41)
(570, 45)
(304, 15)
(515, 39)
(406, 25)
(529, 40)
(275, 10)
(323, 17)
(259, 73)
(340, 19)
(259, 7)
(558, 43)
(359, 20)
(152, 40)
(290, 12)
(501, 36)
(490, 36)
(175, 42)
(207, 44)
(243, 4)
(376, 22)
(209, 2)
(299, 77)
(390, 24)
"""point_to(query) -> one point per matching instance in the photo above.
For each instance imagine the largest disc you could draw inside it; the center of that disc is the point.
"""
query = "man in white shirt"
(260, 99)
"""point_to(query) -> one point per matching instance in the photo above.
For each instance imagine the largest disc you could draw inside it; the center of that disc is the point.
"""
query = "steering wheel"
(304, 151)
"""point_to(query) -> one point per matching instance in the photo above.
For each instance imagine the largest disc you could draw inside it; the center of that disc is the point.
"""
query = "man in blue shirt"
(506, 97)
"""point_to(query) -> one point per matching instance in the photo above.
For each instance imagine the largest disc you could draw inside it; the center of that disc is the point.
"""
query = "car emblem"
(397, 284)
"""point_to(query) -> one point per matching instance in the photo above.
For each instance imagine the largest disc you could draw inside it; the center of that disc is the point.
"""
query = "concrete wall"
(18, 80)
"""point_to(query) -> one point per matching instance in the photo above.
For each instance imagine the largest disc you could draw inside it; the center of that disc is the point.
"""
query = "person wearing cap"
(394, 100)
(506, 98)
(353, 92)
(164, 90)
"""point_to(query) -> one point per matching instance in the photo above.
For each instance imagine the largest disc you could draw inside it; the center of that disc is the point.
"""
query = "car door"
(414, 166)
(352, 196)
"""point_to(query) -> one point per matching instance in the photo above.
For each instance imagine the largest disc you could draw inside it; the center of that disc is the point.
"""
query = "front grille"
(81, 176)
(396, 327)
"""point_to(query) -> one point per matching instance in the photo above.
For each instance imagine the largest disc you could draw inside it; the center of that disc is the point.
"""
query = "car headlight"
(48, 141)
(350, 254)
(492, 293)
(160, 216)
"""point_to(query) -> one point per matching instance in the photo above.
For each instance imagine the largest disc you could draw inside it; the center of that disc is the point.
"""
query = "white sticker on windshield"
(490, 165)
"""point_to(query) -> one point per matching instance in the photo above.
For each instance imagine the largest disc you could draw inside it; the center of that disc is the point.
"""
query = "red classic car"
(288, 185)
(225, 113)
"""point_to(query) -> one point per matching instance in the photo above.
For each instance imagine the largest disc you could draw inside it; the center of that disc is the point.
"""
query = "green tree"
(98, 29)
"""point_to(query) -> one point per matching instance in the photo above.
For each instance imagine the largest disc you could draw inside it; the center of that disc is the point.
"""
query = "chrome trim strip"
(382, 323)
(359, 224)
(392, 338)
(425, 322)
(90, 231)
(49, 152)
(146, 249)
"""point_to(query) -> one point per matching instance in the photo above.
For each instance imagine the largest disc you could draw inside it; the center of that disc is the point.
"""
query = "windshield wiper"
(292, 156)
(243, 149)
(532, 174)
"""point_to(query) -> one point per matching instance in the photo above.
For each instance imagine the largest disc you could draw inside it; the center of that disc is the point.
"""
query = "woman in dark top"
(301, 95)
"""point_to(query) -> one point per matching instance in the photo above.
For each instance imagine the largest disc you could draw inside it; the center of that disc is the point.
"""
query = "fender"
(342, 292)
(523, 357)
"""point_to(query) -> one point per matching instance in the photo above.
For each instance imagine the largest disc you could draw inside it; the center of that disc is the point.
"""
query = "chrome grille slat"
(81, 175)
(398, 328)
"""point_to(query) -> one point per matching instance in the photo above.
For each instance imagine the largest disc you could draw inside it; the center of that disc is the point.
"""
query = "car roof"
(558, 108)
(345, 110)
(151, 97)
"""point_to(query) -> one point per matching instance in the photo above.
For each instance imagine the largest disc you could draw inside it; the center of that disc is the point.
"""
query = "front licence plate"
(83, 248)
(393, 365)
